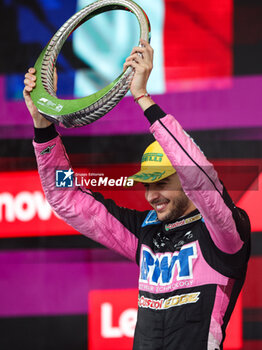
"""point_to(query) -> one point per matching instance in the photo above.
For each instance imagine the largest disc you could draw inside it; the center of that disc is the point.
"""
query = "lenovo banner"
(24, 210)
(112, 319)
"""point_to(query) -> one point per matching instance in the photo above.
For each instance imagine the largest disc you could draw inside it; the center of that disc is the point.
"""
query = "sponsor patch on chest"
(162, 304)
(163, 272)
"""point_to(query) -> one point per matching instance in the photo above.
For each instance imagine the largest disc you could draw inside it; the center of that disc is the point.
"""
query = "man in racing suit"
(192, 248)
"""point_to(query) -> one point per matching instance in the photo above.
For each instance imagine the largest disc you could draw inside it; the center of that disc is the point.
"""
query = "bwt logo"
(160, 268)
(64, 178)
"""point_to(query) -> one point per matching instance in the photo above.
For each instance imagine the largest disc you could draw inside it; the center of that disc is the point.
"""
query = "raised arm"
(226, 223)
(89, 213)
(200, 182)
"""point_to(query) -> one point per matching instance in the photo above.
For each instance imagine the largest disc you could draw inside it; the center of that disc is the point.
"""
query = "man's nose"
(152, 195)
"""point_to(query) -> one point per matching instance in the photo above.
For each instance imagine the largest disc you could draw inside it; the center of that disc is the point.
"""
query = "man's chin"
(164, 216)
(168, 215)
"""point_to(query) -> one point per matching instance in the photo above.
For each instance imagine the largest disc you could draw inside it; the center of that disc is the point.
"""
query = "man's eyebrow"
(164, 181)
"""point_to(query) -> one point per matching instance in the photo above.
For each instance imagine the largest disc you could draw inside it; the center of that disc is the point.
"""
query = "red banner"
(24, 210)
(112, 318)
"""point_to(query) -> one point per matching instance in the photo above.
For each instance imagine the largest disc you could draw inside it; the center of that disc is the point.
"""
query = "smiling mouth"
(161, 207)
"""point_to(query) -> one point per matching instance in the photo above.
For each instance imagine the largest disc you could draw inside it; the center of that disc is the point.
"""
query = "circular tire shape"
(82, 111)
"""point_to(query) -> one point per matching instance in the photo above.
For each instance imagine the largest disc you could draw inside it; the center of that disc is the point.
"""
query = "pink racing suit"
(191, 269)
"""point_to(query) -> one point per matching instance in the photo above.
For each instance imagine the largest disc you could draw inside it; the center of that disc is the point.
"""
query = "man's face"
(168, 198)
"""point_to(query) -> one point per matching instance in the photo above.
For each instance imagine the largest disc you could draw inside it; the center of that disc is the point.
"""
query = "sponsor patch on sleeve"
(47, 150)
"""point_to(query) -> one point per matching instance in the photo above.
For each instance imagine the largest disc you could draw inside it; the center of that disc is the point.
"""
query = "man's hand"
(30, 83)
(141, 59)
